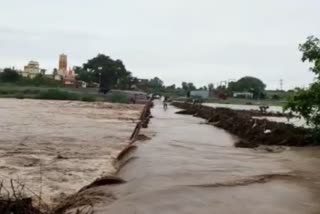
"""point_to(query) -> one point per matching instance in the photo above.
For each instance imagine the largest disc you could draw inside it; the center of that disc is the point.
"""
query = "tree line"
(12, 76)
(109, 73)
(112, 74)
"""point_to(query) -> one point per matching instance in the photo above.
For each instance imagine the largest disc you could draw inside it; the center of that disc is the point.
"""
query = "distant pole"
(281, 84)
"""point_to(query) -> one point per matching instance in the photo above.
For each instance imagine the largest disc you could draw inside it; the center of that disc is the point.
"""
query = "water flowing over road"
(191, 167)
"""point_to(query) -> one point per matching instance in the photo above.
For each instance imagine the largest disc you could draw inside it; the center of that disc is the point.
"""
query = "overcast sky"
(202, 41)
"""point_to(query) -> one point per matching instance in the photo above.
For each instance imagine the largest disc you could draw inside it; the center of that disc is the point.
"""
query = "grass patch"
(20, 96)
(119, 98)
(56, 94)
(88, 98)
(31, 91)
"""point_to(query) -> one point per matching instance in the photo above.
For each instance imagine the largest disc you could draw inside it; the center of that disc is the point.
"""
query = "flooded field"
(294, 121)
(243, 107)
(57, 147)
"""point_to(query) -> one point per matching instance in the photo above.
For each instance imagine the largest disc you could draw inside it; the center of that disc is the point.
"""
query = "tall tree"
(188, 86)
(306, 102)
(191, 86)
(172, 87)
(9, 75)
(248, 84)
(211, 87)
(108, 72)
(156, 83)
(185, 86)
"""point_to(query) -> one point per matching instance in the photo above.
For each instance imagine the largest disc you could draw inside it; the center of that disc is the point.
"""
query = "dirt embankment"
(253, 132)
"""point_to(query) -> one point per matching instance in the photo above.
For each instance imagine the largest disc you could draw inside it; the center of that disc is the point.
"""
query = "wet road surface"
(191, 167)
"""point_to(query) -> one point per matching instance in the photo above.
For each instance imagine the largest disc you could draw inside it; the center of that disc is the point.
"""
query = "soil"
(252, 132)
(57, 147)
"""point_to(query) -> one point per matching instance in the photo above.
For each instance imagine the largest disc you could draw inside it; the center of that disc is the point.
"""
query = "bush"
(119, 98)
(9, 75)
(56, 94)
(8, 91)
(39, 80)
(88, 98)
(4, 92)
(275, 97)
(31, 91)
(20, 96)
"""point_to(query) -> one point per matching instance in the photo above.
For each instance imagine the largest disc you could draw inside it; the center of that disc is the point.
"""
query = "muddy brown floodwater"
(58, 147)
(189, 167)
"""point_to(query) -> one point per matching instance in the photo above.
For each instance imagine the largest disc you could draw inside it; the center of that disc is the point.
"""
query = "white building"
(247, 95)
(31, 70)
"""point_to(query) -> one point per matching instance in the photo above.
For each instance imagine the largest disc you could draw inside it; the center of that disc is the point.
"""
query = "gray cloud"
(201, 41)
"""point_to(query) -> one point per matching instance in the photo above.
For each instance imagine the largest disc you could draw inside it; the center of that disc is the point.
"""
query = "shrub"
(88, 98)
(39, 80)
(119, 98)
(4, 92)
(275, 97)
(31, 91)
(8, 91)
(20, 96)
(56, 94)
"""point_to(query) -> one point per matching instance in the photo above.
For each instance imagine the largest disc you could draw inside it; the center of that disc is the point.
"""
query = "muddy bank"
(253, 132)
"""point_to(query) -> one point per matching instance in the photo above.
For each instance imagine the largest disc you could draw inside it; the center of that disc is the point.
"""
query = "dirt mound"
(253, 132)
(83, 202)
(106, 180)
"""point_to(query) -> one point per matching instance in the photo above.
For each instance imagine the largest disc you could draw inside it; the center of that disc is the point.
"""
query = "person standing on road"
(165, 104)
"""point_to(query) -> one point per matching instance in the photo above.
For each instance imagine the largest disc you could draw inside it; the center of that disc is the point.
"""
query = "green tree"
(188, 86)
(9, 75)
(185, 86)
(55, 72)
(210, 87)
(191, 86)
(171, 87)
(84, 75)
(106, 71)
(311, 53)
(248, 84)
(156, 83)
(306, 102)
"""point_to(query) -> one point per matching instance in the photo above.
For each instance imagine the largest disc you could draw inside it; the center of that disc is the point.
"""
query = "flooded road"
(191, 167)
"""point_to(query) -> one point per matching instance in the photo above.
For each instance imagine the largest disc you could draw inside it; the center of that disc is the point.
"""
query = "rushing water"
(188, 167)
